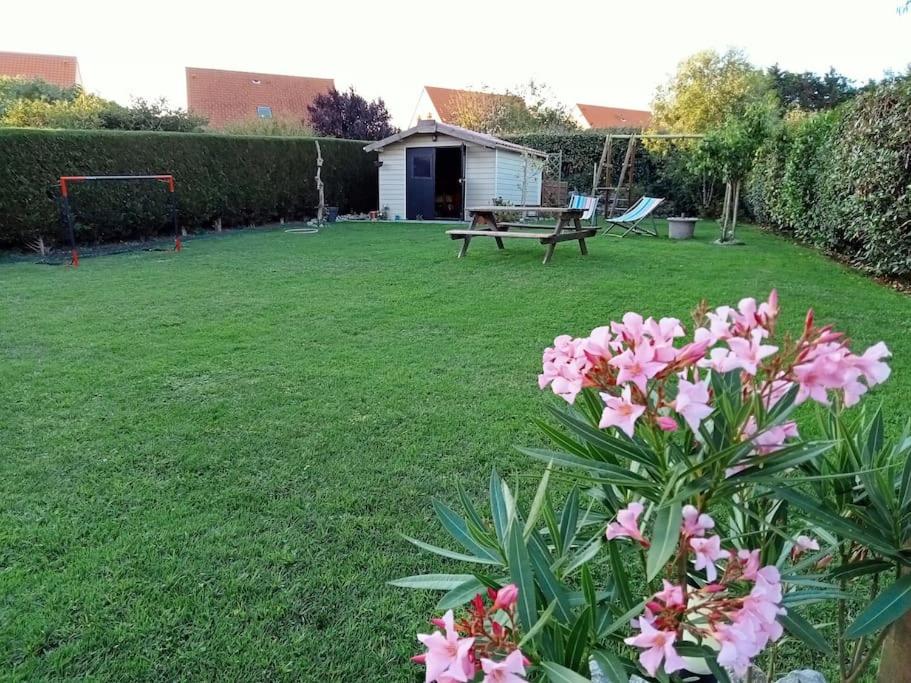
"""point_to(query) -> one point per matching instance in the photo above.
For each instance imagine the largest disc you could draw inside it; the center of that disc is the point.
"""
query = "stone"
(803, 676)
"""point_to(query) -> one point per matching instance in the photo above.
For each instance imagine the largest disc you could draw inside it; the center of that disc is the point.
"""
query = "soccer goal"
(68, 208)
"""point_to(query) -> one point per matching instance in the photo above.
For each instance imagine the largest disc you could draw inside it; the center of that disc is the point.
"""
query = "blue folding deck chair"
(637, 213)
(587, 204)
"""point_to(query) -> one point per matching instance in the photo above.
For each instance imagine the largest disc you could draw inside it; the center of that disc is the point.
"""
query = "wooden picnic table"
(484, 224)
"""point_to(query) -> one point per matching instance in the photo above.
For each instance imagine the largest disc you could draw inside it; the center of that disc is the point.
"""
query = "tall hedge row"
(237, 179)
(842, 180)
(658, 172)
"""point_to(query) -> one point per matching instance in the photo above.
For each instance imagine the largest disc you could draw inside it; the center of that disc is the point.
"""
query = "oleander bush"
(238, 180)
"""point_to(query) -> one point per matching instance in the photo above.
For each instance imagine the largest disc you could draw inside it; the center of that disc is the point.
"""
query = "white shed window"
(264, 112)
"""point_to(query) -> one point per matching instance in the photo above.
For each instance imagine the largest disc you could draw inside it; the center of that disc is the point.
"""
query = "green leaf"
(470, 509)
(538, 503)
(836, 524)
(499, 509)
(805, 632)
(550, 585)
(855, 569)
(568, 519)
(451, 554)
(602, 440)
(458, 529)
(434, 582)
(605, 629)
(621, 578)
(604, 472)
(521, 574)
(665, 537)
(577, 643)
(560, 674)
(611, 667)
(459, 595)
(588, 590)
(539, 624)
(888, 606)
(769, 467)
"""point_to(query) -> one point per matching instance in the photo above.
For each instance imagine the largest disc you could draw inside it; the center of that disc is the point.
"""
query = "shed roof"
(61, 70)
(430, 127)
(227, 96)
(614, 117)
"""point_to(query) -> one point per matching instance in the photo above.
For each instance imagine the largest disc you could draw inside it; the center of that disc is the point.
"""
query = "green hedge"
(238, 179)
(842, 180)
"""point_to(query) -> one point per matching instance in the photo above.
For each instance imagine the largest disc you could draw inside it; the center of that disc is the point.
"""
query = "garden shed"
(437, 171)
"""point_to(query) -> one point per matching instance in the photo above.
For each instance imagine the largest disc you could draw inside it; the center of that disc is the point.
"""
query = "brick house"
(597, 117)
(443, 104)
(232, 96)
(60, 70)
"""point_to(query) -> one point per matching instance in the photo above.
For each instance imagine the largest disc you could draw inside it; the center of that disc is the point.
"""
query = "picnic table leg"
(464, 249)
(549, 253)
(578, 225)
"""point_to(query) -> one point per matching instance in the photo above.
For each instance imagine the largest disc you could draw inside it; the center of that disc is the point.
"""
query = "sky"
(596, 52)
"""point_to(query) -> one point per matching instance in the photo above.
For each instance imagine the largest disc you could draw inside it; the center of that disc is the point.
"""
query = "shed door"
(419, 183)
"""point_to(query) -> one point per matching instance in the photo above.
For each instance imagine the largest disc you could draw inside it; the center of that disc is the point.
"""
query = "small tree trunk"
(724, 212)
(734, 209)
(218, 225)
(895, 662)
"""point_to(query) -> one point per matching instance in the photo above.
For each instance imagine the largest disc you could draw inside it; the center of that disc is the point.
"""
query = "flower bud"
(506, 597)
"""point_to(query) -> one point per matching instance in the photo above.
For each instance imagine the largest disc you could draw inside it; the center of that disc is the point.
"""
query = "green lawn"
(208, 457)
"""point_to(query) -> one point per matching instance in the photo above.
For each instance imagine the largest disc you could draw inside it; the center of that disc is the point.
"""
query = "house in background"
(59, 70)
(225, 97)
(443, 104)
(435, 171)
(603, 118)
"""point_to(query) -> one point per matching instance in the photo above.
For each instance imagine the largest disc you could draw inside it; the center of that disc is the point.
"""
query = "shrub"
(238, 180)
(841, 180)
(683, 531)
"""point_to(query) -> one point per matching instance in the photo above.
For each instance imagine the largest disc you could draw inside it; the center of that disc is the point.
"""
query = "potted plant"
(681, 227)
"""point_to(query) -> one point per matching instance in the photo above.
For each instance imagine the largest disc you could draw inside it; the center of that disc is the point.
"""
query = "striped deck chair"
(587, 204)
(634, 216)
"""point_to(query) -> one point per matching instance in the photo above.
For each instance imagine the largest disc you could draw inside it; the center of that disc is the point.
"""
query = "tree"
(529, 108)
(809, 91)
(728, 153)
(145, 114)
(708, 89)
(33, 103)
(348, 115)
(13, 89)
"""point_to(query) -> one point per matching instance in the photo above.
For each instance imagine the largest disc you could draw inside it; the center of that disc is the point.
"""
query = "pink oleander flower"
(447, 655)
(802, 544)
(662, 333)
(694, 522)
(691, 353)
(637, 366)
(748, 353)
(749, 560)
(707, 550)
(620, 412)
(630, 329)
(564, 366)
(738, 646)
(720, 360)
(658, 646)
(600, 344)
(507, 596)
(671, 595)
(666, 423)
(692, 402)
(627, 524)
(770, 439)
(509, 670)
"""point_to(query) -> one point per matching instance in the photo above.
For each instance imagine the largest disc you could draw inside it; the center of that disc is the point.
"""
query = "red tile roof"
(614, 117)
(229, 96)
(57, 69)
(447, 100)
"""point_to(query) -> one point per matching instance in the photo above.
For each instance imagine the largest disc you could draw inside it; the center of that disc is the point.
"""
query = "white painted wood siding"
(480, 172)
(510, 167)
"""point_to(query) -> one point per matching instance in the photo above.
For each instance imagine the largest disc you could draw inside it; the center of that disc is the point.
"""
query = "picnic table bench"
(484, 224)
